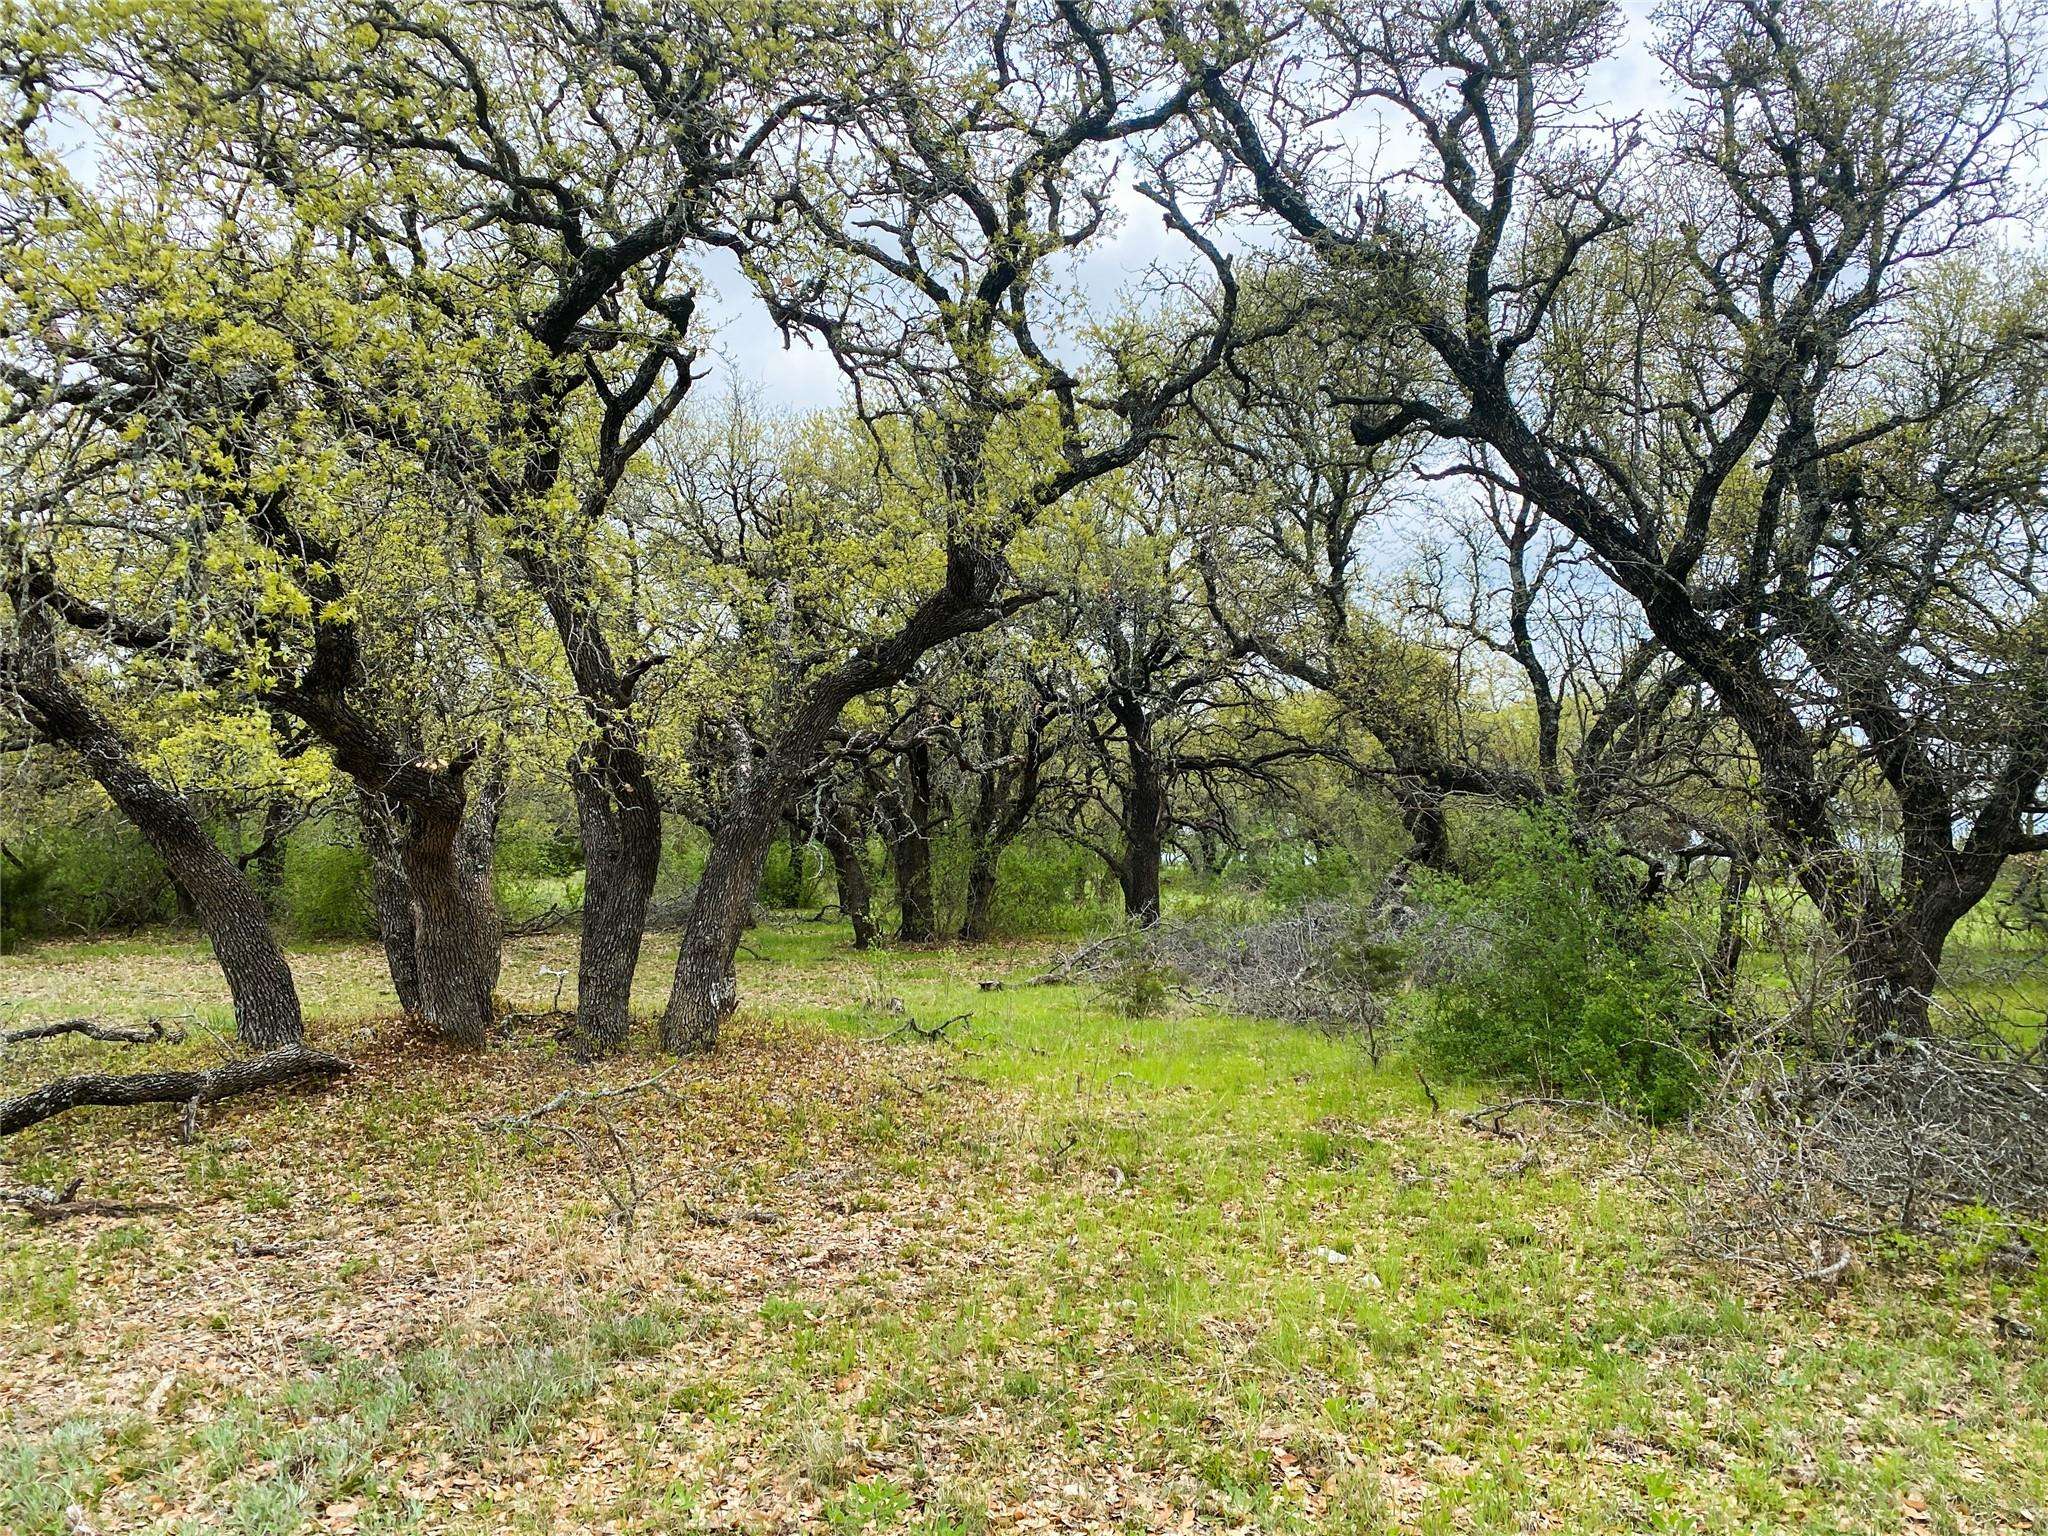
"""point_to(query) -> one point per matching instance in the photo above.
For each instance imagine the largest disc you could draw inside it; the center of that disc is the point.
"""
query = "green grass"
(1128, 1273)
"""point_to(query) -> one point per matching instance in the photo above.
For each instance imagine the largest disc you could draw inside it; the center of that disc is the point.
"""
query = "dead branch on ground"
(150, 1033)
(271, 1069)
(42, 1203)
(927, 1032)
(582, 1119)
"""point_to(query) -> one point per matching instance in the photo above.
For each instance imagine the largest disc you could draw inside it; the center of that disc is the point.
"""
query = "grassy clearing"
(1083, 1273)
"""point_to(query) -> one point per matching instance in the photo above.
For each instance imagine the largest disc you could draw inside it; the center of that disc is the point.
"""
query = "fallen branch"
(910, 1026)
(39, 1202)
(1490, 1119)
(604, 1149)
(192, 1089)
(556, 916)
(1065, 971)
(93, 1029)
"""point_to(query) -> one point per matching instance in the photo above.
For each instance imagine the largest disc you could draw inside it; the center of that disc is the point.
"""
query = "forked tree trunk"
(444, 848)
(620, 819)
(706, 989)
(227, 905)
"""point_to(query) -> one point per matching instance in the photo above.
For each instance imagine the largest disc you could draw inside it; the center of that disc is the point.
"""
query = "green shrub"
(1568, 983)
(1295, 873)
(1137, 983)
(325, 892)
(24, 879)
(1042, 885)
(89, 877)
(796, 875)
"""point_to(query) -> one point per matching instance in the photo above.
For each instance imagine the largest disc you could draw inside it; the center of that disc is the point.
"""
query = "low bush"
(325, 892)
(1565, 980)
(88, 877)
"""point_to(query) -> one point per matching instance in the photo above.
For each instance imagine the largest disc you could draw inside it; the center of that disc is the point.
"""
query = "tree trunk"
(1428, 828)
(1893, 969)
(1725, 965)
(844, 842)
(268, 863)
(445, 848)
(1144, 819)
(391, 902)
(706, 989)
(910, 849)
(266, 1002)
(983, 863)
(620, 819)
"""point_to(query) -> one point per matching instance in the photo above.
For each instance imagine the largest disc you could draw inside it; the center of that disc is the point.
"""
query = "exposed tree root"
(192, 1089)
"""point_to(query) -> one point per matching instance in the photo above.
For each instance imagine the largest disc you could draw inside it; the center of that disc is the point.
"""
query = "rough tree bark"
(390, 901)
(285, 1064)
(228, 906)
(706, 985)
(445, 848)
(620, 819)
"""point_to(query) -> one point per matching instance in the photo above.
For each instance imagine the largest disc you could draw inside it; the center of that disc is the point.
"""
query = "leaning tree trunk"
(706, 988)
(227, 905)
(620, 819)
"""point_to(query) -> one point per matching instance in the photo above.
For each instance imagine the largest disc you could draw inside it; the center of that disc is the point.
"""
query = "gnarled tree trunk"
(456, 925)
(443, 844)
(620, 819)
